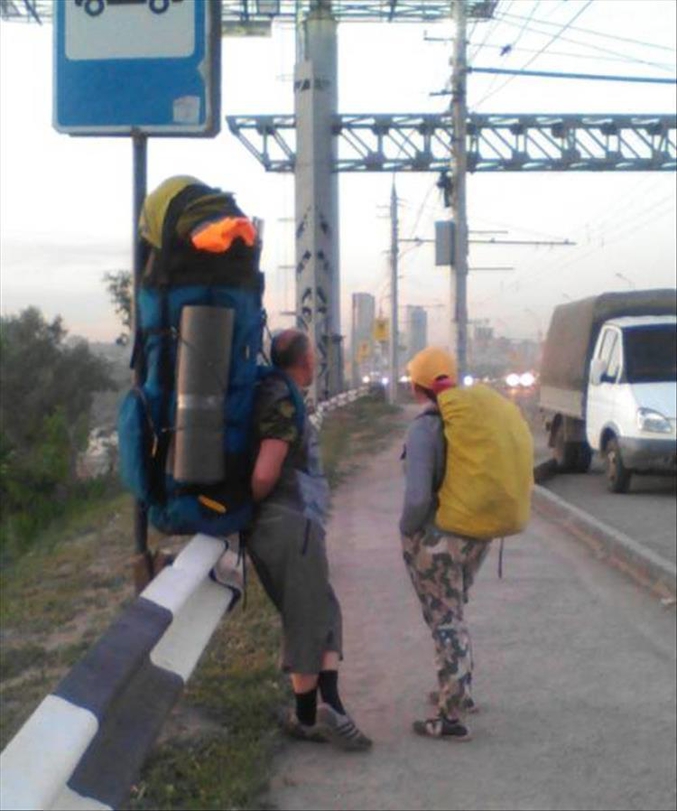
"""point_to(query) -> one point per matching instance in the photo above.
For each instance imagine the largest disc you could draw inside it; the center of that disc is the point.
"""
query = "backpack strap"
(294, 393)
(297, 400)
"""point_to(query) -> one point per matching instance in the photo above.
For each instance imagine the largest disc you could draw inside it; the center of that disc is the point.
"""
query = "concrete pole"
(394, 326)
(458, 174)
(316, 195)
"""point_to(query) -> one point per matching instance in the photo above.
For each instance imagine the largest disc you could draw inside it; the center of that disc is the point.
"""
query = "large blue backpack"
(177, 275)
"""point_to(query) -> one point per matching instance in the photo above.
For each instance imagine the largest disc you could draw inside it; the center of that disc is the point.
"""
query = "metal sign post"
(138, 68)
(143, 565)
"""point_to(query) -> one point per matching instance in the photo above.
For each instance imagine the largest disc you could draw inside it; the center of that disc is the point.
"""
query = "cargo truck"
(608, 384)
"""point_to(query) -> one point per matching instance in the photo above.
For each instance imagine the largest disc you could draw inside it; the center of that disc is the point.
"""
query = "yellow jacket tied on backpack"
(486, 492)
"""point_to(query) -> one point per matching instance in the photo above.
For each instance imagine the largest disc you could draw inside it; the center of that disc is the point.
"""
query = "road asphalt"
(574, 677)
(648, 513)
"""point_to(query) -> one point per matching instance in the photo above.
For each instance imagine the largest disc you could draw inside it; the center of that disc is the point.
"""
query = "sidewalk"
(575, 678)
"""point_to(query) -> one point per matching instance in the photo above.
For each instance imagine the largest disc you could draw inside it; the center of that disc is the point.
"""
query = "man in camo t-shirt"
(287, 546)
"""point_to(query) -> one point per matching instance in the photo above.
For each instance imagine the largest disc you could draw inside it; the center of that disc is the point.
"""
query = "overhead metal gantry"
(256, 13)
(495, 143)
(316, 142)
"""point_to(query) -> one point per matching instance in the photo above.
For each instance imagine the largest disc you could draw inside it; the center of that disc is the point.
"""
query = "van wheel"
(564, 453)
(618, 477)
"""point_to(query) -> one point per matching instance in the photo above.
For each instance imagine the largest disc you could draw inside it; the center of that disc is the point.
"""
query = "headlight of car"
(653, 422)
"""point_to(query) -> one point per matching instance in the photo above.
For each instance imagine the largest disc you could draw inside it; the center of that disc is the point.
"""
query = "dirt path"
(563, 646)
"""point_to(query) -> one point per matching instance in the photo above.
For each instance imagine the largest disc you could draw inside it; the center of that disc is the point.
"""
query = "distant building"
(416, 330)
(361, 340)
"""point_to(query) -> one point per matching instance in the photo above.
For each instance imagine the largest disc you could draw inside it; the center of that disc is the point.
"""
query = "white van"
(607, 384)
(631, 407)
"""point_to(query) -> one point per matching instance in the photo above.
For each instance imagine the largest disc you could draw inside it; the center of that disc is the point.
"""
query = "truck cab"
(631, 400)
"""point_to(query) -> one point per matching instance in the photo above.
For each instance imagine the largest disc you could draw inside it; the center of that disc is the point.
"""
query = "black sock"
(306, 706)
(328, 684)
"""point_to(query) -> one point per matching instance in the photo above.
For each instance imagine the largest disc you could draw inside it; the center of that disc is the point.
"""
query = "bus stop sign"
(137, 66)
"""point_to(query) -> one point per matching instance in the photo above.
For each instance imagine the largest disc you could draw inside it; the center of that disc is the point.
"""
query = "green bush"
(47, 389)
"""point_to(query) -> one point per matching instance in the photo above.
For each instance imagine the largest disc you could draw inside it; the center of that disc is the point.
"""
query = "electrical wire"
(549, 74)
(599, 49)
(521, 32)
(419, 213)
(617, 233)
(611, 237)
(612, 213)
(594, 33)
(495, 22)
(530, 61)
(574, 262)
(524, 28)
(574, 55)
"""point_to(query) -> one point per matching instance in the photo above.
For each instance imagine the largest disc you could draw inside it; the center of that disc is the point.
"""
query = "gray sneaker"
(302, 732)
(342, 730)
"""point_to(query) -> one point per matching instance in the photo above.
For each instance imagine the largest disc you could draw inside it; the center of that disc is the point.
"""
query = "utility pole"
(459, 112)
(316, 195)
(394, 337)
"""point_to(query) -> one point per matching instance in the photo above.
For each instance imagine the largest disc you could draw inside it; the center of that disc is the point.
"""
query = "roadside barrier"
(84, 745)
(343, 399)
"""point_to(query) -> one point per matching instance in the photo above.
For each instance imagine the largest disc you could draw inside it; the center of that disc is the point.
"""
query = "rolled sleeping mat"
(203, 366)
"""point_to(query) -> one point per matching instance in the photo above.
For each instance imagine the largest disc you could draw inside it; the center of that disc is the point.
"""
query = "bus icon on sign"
(95, 7)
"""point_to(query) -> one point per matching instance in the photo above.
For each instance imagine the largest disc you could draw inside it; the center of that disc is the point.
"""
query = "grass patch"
(56, 600)
(353, 433)
(216, 748)
(50, 517)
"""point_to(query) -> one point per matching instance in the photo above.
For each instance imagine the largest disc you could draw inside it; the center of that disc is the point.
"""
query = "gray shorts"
(289, 554)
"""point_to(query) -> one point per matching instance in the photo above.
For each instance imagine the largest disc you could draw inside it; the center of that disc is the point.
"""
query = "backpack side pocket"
(137, 440)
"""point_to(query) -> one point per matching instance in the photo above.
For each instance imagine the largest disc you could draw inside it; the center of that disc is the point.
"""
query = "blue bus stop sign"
(137, 67)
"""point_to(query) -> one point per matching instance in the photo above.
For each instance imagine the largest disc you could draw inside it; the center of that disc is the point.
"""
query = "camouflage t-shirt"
(302, 485)
(277, 420)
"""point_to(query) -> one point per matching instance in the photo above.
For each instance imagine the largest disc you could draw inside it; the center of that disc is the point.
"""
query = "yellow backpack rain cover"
(486, 492)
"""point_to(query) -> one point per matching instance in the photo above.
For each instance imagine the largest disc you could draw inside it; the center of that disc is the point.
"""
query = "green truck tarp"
(574, 329)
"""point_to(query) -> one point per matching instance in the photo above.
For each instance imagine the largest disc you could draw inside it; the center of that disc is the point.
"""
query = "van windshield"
(651, 353)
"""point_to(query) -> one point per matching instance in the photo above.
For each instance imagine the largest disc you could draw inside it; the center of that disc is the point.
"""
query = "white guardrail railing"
(340, 400)
(84, 745)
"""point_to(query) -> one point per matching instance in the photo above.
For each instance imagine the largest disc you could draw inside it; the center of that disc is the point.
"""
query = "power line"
(650, 216)
(612, 213)
(557, 35)
(594, 33)
(523, 29)
(490, 29)
(600, 49)
(557, 75)
(496, 23)
(575, 55)
(610, 237)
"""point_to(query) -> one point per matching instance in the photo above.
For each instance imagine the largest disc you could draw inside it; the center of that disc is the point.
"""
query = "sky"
(66, 202)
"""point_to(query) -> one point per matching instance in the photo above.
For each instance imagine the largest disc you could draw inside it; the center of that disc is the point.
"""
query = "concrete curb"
(643, 565)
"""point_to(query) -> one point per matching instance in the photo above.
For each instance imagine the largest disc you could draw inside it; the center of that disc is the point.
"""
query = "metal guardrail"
(84, 745)
(340, 400)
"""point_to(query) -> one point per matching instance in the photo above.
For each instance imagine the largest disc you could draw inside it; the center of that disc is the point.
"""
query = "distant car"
(95, 7)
